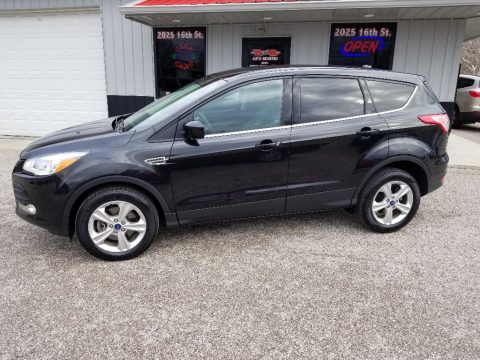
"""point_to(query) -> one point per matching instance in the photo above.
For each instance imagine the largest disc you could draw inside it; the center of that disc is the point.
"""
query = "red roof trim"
(203, 2)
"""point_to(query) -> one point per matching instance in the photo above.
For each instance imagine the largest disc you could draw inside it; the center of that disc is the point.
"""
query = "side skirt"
(238, 211)
(320, 201)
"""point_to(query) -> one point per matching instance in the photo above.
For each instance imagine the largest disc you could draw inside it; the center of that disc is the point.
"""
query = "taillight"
(475, 93)
(441, 120)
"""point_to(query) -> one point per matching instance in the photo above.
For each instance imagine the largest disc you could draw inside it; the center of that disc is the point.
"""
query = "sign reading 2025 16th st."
(363, 44)
(180, 55)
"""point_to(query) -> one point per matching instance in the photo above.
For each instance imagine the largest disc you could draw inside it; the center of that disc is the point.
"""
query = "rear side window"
(389, 95)
(329, 99)
(464, 82)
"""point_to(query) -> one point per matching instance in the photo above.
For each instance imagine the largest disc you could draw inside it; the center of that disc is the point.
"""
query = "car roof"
(292, 70)
(473, 77)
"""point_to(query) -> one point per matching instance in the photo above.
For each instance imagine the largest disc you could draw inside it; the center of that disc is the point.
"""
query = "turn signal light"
(441, 120)
(475, 94)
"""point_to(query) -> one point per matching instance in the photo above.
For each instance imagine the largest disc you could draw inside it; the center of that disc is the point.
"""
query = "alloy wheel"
(392, 203)
(117, 226)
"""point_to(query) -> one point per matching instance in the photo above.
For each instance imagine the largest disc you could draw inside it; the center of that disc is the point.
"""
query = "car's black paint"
(286, 169)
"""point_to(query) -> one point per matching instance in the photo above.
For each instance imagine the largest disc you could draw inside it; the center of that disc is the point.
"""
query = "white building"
(65, 62)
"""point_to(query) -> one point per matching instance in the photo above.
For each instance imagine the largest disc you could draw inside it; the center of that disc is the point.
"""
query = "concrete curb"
(464, 167)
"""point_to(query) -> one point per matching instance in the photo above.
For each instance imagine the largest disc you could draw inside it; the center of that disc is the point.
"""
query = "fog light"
(28, 209)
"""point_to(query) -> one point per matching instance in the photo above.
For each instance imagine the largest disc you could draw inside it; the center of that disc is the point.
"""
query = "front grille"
(20, 194)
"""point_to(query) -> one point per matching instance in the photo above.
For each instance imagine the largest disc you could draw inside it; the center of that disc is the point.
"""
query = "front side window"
(329, 99)
(249, 107)
(389, 95)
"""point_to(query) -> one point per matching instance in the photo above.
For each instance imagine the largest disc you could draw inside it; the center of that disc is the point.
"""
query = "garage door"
(52, 71)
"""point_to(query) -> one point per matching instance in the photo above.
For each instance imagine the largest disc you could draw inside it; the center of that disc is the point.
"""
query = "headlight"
(50, 164)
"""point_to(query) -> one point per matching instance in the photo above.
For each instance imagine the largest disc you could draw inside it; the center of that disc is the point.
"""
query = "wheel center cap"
(392, 203)
(117, 226)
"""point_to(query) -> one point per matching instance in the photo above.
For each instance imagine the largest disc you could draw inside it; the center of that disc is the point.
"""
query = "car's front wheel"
(117, 223)
(389, 200)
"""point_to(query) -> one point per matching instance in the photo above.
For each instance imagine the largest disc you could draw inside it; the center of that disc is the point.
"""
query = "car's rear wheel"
(389, 200)
(117, 223)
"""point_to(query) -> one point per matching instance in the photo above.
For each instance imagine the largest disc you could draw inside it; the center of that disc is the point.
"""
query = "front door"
(240, 168)
(266, 51)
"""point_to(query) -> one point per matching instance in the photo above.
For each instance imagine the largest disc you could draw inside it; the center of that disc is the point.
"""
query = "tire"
(130, 232)
(456, 123)
(375, 192)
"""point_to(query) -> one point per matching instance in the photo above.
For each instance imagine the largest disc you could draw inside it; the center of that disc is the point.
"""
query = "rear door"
(240, 168)
(336, 137)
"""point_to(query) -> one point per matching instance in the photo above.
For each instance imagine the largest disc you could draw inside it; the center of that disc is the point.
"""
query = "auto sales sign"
(363, 44)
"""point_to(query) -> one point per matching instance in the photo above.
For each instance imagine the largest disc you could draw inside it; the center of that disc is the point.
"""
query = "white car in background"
(467, 101)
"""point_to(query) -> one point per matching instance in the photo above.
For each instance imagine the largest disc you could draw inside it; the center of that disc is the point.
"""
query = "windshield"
(168, 105)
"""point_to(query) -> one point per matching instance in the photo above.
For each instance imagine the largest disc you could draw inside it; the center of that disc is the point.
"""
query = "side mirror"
(194, 130)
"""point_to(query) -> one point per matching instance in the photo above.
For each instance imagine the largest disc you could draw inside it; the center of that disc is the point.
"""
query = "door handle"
(268, 145)
(367, 132)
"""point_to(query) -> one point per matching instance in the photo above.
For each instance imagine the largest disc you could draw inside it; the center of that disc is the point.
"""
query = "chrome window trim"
(334, 120)
(248, 131)
(314, 123)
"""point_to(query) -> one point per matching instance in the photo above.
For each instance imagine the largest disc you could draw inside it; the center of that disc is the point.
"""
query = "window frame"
(286, 109)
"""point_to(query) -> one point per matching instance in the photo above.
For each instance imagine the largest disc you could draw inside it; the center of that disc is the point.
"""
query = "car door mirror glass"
(194, 130)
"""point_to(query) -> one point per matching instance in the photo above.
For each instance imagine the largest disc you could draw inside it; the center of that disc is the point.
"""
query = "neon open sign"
(362, 46)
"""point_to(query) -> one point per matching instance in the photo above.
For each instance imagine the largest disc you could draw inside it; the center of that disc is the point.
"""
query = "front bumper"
(39, 200)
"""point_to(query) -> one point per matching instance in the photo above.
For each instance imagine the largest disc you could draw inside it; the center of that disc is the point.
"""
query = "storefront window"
(370, 44)
(179, 57)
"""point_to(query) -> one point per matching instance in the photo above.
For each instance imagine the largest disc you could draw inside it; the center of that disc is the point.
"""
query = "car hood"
(96, 133)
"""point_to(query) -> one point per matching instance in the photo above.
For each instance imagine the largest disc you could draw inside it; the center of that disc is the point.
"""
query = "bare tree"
(471, 57)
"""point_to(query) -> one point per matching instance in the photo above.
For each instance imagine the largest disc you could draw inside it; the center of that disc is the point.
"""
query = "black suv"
(242, 143)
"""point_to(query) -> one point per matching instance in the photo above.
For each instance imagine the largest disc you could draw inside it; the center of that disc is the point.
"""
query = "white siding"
(128, 45)
(45, 4)
(128, 53)
(431, 48)
(310, 43)
(428, 47)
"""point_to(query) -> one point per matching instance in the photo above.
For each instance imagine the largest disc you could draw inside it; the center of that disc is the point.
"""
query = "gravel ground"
(307, 286)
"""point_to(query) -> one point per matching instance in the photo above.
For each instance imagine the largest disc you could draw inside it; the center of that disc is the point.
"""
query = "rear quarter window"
(389, 96)
(464, 82)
